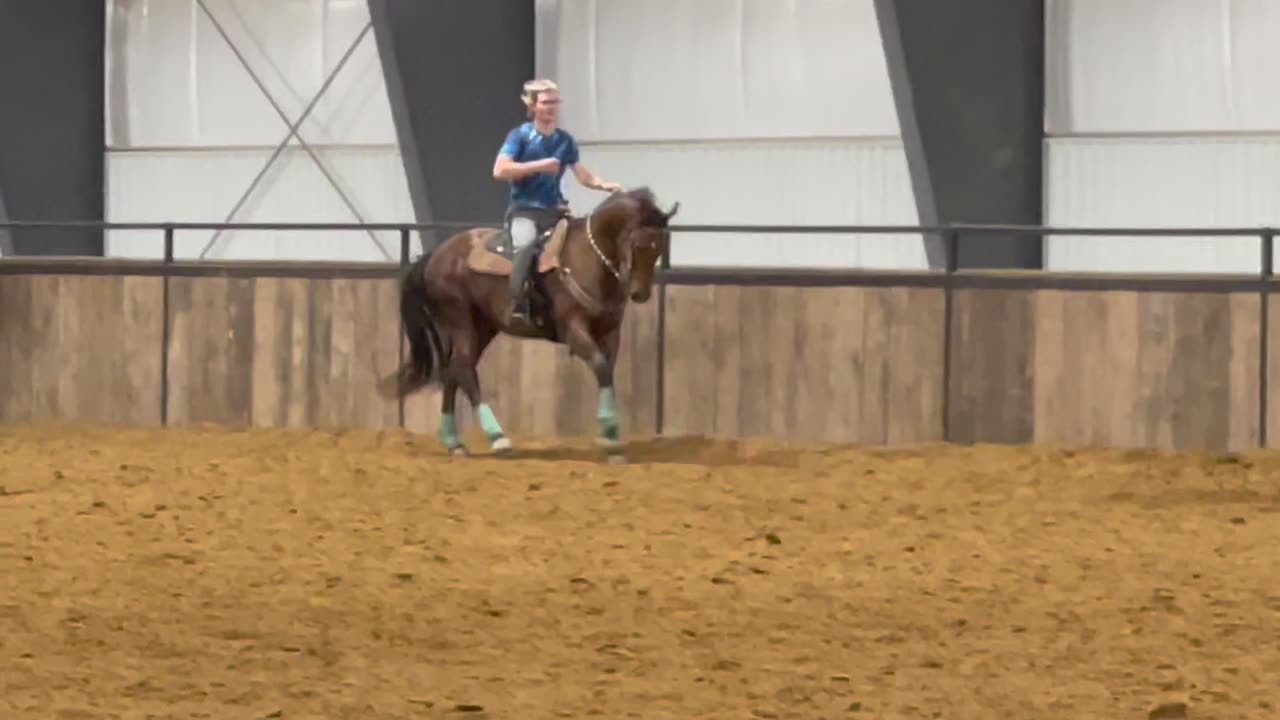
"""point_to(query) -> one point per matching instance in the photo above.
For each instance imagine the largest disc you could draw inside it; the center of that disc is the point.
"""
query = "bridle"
(622, 273)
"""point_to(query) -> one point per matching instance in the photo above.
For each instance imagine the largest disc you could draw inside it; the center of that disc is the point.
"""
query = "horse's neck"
(590, 264)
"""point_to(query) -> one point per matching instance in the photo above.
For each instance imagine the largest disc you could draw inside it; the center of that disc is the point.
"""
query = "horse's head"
(641, 234)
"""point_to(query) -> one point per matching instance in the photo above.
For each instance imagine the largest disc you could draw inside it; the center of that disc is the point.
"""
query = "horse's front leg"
(600, 357)
(607, 411)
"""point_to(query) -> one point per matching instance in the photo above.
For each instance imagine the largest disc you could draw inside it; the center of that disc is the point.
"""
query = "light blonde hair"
(534, 88)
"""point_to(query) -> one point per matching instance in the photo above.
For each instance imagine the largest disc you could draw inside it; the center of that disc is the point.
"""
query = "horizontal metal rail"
(780, 229)
(279, 226)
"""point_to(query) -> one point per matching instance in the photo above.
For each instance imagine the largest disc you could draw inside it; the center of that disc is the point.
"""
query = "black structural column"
(968, 83)
(453, 72)
(52, 55)
(6, 239)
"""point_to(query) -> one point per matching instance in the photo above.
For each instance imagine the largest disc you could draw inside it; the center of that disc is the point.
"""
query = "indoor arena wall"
(1161, 114)
(747, 112)
(189, 129)
(876, 365)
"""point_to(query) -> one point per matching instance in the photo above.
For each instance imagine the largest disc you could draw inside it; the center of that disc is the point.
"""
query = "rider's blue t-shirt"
(526, 144)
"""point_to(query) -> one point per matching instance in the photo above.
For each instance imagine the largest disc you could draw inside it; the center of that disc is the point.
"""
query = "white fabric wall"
(766, 182)
(746, 111)
(1161, 182)
(717, 69)
(1123, 66)
(1161, 114)
(187, 128)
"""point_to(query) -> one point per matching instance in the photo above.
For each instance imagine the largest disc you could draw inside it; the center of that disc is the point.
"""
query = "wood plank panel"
(211, 350)
(1273, 372)
(320, 347)
(80, 349)
(282, 352)
(833, 364)
(1245, 333)
(991, 398)
(1156, 370)
(1130, 369)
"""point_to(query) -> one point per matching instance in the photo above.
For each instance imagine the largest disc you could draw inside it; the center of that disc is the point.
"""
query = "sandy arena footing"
(205, 573)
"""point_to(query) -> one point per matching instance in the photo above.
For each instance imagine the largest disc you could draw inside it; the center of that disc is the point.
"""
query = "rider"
(533, 160)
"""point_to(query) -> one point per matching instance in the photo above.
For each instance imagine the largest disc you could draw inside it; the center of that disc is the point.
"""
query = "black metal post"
(165, 327)
(1267, 252)
(951, 258)
(404, 264)
(660, 380)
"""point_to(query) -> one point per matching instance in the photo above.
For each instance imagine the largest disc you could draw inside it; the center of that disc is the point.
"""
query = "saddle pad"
(499, 243)
(484, 259)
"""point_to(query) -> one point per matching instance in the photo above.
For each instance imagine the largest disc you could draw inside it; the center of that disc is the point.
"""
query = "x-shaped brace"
(293, 129)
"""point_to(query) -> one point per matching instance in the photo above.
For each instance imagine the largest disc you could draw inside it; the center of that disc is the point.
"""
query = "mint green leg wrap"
(489, 423)
(607, 415)
(448, 432)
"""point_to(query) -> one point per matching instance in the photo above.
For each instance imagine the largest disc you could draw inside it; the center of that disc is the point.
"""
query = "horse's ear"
(674, 209)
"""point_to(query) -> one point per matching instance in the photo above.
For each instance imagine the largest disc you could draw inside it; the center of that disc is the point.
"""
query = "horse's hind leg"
(448, 432)
(462, 370)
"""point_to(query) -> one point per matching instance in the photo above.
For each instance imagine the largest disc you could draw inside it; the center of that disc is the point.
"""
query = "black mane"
(645, 202)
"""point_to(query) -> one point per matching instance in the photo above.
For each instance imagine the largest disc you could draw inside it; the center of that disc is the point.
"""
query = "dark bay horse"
(455, 300)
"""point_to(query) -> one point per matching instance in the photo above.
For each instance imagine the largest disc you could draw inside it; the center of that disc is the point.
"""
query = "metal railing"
(950, 278)
(949, 233)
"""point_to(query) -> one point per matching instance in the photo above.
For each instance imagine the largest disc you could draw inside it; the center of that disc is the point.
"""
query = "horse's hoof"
(502, 446)
(459, 451)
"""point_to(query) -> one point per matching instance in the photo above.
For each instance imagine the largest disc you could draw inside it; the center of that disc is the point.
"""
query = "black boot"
(520, 267)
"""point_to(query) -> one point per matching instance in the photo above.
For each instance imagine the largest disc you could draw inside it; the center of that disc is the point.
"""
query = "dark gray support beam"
(453, 72)
(52, 59)
(6, 238)
(968, 84)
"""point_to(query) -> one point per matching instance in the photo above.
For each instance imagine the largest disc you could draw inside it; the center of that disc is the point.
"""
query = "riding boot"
(520, 266)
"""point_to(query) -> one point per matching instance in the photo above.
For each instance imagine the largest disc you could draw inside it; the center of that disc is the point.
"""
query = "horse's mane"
(644, 201)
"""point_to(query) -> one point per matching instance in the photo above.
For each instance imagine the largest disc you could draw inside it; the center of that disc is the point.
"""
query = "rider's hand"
(610, 186)
(551, 166)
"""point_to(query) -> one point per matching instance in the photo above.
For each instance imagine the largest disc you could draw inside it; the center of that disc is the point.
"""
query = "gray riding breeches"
(527, 223)
(524, 230)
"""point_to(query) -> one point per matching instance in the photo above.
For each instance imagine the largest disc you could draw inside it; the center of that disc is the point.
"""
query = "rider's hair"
(534, 88)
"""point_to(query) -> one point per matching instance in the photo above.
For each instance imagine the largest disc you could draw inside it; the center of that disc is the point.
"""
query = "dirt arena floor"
(275, 574)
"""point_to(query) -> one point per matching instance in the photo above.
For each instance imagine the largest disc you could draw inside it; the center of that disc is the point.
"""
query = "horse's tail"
(426, 350)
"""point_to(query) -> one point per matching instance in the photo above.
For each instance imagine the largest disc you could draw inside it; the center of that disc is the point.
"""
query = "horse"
(455, 300)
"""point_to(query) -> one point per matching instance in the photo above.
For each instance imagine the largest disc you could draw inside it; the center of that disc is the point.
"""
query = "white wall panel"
(172, 80)
(188, 128)
(1161, 65)
(1160, 182)
(771, 182)
(747, 112)
(203, 186)
(716, 69)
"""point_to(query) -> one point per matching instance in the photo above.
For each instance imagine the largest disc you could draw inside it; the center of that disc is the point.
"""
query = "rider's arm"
(589, 179)
(506, 168)
(585, 177)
